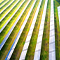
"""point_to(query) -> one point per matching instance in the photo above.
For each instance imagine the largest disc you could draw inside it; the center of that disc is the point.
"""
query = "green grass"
(57, 29)
(2, 3)
(12, 21)
(58, 1)
(33, 41)
(7, 10)
(5, 5)
(9, 42)
(2, 23)
(22, 39)
(31, 49)
(45, 40)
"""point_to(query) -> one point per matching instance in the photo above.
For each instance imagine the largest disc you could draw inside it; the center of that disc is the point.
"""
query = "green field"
(44, 55)
(1, 1)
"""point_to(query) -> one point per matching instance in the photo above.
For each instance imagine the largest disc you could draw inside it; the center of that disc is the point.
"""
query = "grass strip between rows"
(7, 10)
(3, 2)
(9, 42)
(11, 23)
(57, 30)
(5, 5)
(8, 16)
(45, 39)
(33, 41)
(20, 44)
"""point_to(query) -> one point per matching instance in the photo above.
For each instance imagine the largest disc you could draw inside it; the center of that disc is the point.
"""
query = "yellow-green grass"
(58, 1)
(7, 10)
(9, 42)
(45, 39)
(20, 44)
(12, 21)
(33, 41)
(3, 3)
(2, 23)
(57, 29)
(14, 33)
